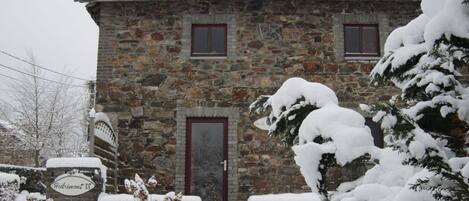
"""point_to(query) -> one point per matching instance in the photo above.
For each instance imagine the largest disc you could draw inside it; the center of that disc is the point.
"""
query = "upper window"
(208, 40)
(361, 40)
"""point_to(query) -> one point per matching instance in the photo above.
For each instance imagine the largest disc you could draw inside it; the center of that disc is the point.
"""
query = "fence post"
(91, 132)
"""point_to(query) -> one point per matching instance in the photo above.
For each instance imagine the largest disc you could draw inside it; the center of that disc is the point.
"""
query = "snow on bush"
(290, 104)
(27, 196)
(138, 188)
(327, 133)
(9, 186)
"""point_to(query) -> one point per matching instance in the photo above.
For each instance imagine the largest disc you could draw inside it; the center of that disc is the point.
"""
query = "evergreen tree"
(434, 104)
(307, 116)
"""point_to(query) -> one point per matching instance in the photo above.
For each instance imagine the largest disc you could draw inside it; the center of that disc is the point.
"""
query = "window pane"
(218, 40)
(200, 43)
(370, 40)
(352, 39)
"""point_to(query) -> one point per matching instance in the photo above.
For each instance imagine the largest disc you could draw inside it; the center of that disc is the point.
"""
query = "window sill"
(208, 58)
(362, 58)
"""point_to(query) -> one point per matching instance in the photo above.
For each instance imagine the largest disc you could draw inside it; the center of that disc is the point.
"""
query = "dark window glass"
(375, 132)
(218, 40)
(370, 40)
(208, 40)
(352, 39)
(361, 40)
(200, 37)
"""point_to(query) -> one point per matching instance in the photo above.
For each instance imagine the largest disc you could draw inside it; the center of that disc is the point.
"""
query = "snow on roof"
(107, 134)
(100, 116)
(84, 162)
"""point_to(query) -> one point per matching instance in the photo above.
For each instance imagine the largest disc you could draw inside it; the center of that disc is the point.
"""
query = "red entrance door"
(206, 158)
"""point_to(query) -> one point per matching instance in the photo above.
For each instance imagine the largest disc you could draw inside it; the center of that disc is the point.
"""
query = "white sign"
(72, 185)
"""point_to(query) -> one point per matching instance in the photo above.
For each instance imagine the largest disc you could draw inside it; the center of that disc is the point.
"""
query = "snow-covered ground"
(286, 197)
(153, 197)
(25, 195)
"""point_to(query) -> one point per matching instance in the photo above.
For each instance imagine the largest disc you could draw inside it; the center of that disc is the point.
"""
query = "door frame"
(188, 175)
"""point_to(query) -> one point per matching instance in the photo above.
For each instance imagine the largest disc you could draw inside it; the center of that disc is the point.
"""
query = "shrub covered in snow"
(327, 134)
(138, 189)
(27, 196)
(9, 186)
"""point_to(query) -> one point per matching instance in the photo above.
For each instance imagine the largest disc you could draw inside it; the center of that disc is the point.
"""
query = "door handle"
(225, 165)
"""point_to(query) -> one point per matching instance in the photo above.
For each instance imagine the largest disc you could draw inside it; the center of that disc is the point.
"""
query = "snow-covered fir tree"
(425, 126)
(431, 115)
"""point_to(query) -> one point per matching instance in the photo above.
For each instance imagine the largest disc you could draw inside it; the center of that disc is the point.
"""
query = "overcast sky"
(58, 32)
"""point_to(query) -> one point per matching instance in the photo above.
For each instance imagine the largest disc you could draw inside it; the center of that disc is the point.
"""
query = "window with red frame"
(208, 40)
(361, 40)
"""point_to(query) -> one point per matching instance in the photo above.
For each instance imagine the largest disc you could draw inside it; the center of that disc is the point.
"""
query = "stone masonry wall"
(142, 77)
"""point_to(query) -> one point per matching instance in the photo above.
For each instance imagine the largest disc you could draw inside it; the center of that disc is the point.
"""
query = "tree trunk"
(36, 158)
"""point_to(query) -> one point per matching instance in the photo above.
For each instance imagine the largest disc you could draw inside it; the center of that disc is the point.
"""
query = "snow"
(100, 116)
(408, 194)
(262, 124)
(296, 88)
(25, 195)
(153, 197)
(286, 197)
(84, 162)
(460, 165)
(372, 192)
(394, 40)
(439, 17)
(92, 113)
(6, 125)
(6, 178)
(22, 167)
(308, 156)
(432, 7)
(389, 180)
(451, 19)
(350, 136)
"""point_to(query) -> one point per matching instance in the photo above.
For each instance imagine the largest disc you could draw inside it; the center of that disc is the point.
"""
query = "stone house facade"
(165, 99)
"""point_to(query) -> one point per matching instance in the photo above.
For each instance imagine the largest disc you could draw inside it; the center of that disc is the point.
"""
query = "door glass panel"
(370, 40)
(207, 152)
(352, 35)
(200, 40)
(218, 40)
